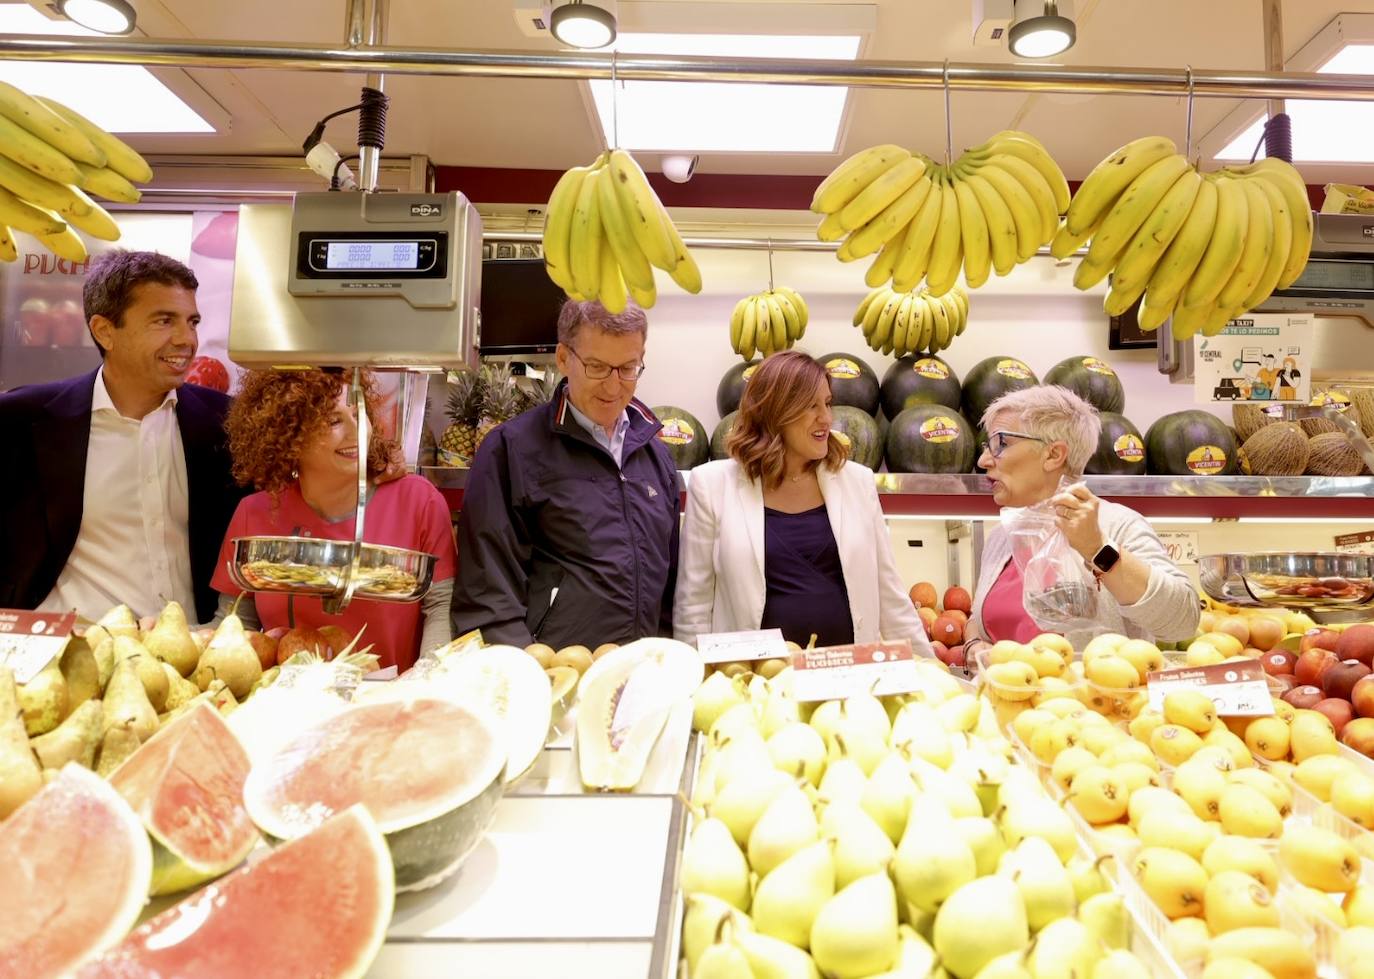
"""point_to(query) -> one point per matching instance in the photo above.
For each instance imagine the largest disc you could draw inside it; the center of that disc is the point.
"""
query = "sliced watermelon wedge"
(318, 906)
(74, 871)
(186, 784)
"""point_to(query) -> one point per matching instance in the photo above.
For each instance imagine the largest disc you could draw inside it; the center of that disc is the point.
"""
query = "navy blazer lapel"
(61, 437)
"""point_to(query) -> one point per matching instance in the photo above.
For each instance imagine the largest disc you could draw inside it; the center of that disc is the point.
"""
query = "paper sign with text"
(1237, 689)
(836, 672)
(742, 647)
(30, 641)
(1181, 546)
(1258, 357)
(1360, 542)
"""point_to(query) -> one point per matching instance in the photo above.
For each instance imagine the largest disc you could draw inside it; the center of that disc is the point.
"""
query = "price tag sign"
(742, 647)
(1237, 689)
(836, 672)
(30, 641)
(1181, 546)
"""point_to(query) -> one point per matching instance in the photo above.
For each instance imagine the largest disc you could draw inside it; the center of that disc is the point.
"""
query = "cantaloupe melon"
(1248, 419)
(1275, 450)
(1333, 455)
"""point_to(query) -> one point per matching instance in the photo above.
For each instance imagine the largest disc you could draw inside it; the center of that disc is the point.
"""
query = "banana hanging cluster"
(911, 322)
(49, 157)
(989, 211)
(605, 232)
(768, 322)
(1202, 248)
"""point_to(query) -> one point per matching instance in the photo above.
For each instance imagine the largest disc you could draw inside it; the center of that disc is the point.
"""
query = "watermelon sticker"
(842, 369)
(1129, 448)
(939, 428)
(841, 437)
(677, 431)
(749, 372)
(1098, 366)
(931, 368)
(1207, 460)
(1014, 369)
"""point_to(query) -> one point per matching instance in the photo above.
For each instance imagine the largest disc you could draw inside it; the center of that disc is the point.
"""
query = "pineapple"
(533, 393)
(500, 400)
(464, 410)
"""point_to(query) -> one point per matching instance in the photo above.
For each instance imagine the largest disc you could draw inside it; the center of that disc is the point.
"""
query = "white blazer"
(720, 582)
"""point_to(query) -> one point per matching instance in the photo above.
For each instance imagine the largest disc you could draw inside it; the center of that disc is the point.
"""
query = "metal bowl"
(312, 566)
(1309, 580)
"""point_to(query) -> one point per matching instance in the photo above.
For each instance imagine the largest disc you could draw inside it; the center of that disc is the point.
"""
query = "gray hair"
(113, 276)
(1056, 414)
(575, 312)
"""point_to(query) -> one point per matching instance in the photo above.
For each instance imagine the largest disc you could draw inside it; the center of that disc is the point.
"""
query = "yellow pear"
(118, 621)
(1183, 831)
(148, 669)
(75, 739)
(1064, 947)
(1314, 905)
(1220, 739)
(1236, 900)
(982, 920)
(1087, 877)
(1048, 741)
(1280, 794)
(103, 651)
(1246, 812)
(861, 847)
(1128, 750)
(713, 864)
(1282, 953)
(1173, 880)
(1319, 858)
(1231, 967)
(1311, 734)
(888, 793)
(932, 861)
(1318, 774)
(1120, 964)
(701, 921)
(723, 959)
(1045, 886)
(43, 699)
(1174, 744)
(1352, 795)
(1189, 708)
(1143, 655)
(1201, 786)
(1038, 816)
(790, 896)
(1135, 776)
(1105, 916)
(1143, 725)
(179, 689)
(20, 774)
(1014, 681)
(1354, 953)
(1242, 854)
(855, 932)
(1102, 645)
(1268, 738)
(1201, 652)
(118, 743)
(1359, 906)
(787, 825)
(170, 640)
(1099, 795)
(1151, 797)
(80, 672)
(1187, 939)
(768, 956)
(126, 702)
(1069, 763)
(984, 841)
(229, 657)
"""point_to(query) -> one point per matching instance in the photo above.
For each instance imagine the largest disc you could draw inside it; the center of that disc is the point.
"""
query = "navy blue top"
(806, 589)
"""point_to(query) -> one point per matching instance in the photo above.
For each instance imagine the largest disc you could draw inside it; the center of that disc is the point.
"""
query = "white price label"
(29, 641)
(742, 647)
(836, 672)
(1181, 546)
(1237, 689)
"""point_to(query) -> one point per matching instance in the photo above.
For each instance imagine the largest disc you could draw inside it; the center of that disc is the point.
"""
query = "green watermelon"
(719, 436)
(683, 435)
(731, 387)
(852, 382)
(1120, 449)
(1092, 380)
(980, 442)
(859, 433)
(1190, 443)
(916, 380)
(930, 439)
(988, 380)
(883, 426)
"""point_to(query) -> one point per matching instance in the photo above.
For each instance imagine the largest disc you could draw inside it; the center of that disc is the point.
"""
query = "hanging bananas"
(988, 211)
(1201, 248)
(605, 232)
(911, 322)
(49, 156)
(768, 322)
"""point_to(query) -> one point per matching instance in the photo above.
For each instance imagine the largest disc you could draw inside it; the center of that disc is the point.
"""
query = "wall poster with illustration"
(1258, 357)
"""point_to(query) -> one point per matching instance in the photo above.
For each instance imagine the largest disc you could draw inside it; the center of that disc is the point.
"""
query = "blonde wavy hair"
(779, 392)
(1052, 413)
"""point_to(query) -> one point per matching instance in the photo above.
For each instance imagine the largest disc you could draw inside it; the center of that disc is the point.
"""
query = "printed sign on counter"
(1180, 545)
(836, 672)
(742, 647)
(1259, 357)
(30, 641)
(1361, 542)
(1237, 689)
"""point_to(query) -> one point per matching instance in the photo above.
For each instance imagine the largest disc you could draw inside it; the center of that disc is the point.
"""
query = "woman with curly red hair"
(294, 438)
(786, 533)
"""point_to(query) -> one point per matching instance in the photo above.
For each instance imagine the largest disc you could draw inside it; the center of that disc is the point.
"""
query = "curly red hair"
(277, 413)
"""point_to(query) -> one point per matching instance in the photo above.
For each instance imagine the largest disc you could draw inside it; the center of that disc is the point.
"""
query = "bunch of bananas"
(768, 322)
(1200, 247)
(911, 322)
(49, 157)
(605, 231)
(990, 209)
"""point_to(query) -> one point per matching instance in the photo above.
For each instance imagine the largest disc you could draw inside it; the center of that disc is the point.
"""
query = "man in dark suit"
(120, 488)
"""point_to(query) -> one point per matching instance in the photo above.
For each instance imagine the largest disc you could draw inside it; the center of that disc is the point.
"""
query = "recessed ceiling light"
(103, 16)
(1040, 30)
(582, 25)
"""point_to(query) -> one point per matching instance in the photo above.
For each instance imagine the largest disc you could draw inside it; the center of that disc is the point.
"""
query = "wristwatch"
(1106, 557)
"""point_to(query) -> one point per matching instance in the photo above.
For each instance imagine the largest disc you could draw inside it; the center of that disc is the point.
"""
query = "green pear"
(919, 728)
(713, 864)
(1064, 949)
(75, 739)
(1045, 886)
(1020, 783)
(1105, 915)
(772, 958)
(119, 742)
(789, 897)
(1037, 816)
(984, 772)
(717, 694)
(958, 797)
(1120, 964)
(126, 702)
(861, 847)
(149, 670)
(980, 921)
(701, 919)
(915, 957)
(932, 860)
(119, 621)
(179, 689)
(229, 657)
(888, 794)
(44, 699)
(1009, 966)
(787, 825)
(796, 747)
(103, 651)
(741, 757)
(984, 839)
(740, 803)
(855, 933)
(80, 672)
(777, 711)
(20, 774)
(1087, 878)
(737, 718)
(960, 713)
(170, 640)
(843, 781)
(723, 959)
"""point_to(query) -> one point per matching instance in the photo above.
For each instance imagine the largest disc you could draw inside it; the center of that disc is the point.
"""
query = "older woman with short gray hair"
(1036, 438)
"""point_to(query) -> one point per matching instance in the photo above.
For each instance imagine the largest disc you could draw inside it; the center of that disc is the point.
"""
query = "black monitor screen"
(520, 305)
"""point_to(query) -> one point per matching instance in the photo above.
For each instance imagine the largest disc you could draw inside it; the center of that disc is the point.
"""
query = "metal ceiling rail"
(961, 76)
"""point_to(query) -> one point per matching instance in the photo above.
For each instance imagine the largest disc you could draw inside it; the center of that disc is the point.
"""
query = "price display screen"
(1336, 276)
(348, 255)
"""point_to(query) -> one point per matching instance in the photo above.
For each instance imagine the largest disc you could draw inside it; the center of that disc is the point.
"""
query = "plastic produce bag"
(1058, 591)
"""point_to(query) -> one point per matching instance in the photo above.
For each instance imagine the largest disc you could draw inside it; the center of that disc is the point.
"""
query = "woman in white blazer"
(785, 533)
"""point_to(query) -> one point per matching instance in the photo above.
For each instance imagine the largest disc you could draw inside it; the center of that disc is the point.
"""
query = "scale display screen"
(1336, 276)
(342, 255)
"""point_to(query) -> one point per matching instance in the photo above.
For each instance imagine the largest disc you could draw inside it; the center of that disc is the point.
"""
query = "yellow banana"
(89, 217)
(1064, 244)
(611, 292)
(1155, 311)
(746, 338)
(106, 183)
(30, 151)
(944, 255)
(789, 312)
(889, 224)
(1111, 177)
(1290, 184)
(1134, 205)
(1223, 251)
(921, 326)
(914, 257)
(1089, 273)
(642, 210)
(1032, 151)
(8, 251)
(558, 216)
(1001, 225)
(121, 157)
(1031, 181)
(1218, 318)
(882, 334)
(874, 198)
(901, 325)
(880, 269)
(973, 234)
(954, 310)
(584, 241)
(763, 327)
(633, 265)
(65, 244)
(941, 334)
(645, 298)
(685, 271)
(1138, 259)
(23, 216)
(830, 228)
(59, 132)
(803, 311)
(872, 315)
(848, 179)
(862, 309)
(1024, 213)
(40, 190)
(737, 323)
(1188, 320)
(1178, 262)
(1278, 251)
(778, 318)
(1259, 238)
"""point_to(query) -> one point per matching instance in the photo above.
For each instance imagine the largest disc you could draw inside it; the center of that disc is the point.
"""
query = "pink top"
(407, 512)
(1004, 613)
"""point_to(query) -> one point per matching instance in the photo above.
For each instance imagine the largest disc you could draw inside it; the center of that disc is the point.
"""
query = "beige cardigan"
(1169, 609)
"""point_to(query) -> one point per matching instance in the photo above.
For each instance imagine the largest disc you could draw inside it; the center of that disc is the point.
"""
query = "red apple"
(957, 599)
(1359, 735)
(950, 631)
(1318, 639)
(956, 656)
(1312, 664)
(1362, 697)
(1337, 711)
(1279, 662)
(927, 617)
(1304, 697)
(1357, 642)
(1265, 632)
(1341, 677)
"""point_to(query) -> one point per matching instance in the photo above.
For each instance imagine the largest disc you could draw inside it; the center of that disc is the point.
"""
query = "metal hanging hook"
(615, 106)
(949, 119)
(770, 264)
(1188, 125)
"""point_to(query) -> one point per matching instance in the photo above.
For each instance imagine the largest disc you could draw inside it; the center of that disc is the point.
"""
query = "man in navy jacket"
(569, 528)
(120, 489)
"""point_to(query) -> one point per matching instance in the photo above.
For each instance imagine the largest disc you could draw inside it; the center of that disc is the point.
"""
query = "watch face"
(1106, 558)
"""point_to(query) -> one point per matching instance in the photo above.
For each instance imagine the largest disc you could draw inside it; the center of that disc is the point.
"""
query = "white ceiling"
(546, 124)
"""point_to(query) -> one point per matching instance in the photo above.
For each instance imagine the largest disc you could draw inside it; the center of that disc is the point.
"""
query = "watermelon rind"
(852, 381)
(515, 689)
(860, 433)
(685, 438)
(918, 379)
(1092, 379)
(988, 380)
(731, 387)
(721, 435)
(930, 439)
